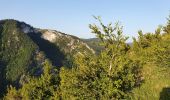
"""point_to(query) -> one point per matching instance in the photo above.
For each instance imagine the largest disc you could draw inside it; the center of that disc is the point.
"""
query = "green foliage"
(22, 53)
(119, 71)
(167, 27)
(153, 52)
(152, 48)
(43, 87)
(156, 84)
(110, 75)
(16, 51)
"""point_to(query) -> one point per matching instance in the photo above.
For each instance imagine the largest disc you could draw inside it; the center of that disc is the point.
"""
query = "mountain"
(17, 53)
(24, 48)
(94, 43)
(68, 44)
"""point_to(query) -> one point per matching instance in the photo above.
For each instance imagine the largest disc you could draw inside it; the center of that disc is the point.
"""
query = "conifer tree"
(44, 87)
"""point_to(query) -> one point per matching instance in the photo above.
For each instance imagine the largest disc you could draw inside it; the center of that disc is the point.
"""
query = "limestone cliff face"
(66, 43)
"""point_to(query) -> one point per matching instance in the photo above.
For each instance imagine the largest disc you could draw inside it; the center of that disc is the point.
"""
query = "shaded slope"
(51, 51)
(67, 46)
(17, 51)
(23, 50)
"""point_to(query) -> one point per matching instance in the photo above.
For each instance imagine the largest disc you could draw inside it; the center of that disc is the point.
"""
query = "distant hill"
(24, 48)
(17, 52)
(94, 43)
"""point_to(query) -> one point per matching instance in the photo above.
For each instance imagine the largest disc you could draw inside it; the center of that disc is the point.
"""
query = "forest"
(118, 71)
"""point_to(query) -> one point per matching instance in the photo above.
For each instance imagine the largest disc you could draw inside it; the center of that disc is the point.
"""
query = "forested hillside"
(23, 49)
(51, 65)
(17, 52)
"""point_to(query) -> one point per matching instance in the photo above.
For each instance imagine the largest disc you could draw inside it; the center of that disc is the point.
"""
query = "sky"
(74, 16)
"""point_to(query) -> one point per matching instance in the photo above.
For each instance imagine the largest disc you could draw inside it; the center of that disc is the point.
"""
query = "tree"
(110, 75)
(44, 87)
(167, 27)
(153, 47)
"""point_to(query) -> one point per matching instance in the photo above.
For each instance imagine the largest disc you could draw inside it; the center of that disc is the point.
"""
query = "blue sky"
(74, 16)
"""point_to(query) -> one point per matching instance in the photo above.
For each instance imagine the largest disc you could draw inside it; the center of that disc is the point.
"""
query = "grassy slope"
(156, 85)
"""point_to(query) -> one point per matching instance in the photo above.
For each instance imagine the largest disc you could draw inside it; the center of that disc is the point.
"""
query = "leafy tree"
(152, 47)
(110, 75)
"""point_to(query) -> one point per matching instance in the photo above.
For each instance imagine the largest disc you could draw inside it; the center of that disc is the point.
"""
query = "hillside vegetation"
(17, 52)
(23, 49)
(111, 70)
